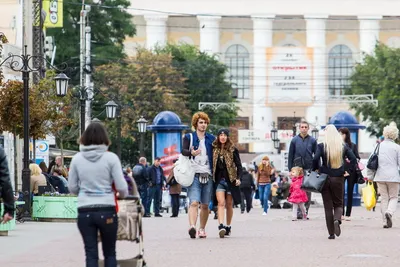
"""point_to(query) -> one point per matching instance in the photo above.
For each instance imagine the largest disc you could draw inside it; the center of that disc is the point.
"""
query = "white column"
(209, 33)
(262, 114)
(369, 32)
(316, 25)
(156, 30)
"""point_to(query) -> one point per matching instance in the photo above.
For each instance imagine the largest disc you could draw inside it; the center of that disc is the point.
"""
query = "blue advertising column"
(167, 138)
(344, 119)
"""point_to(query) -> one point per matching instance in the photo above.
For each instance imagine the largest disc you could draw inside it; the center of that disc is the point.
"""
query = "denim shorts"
(200, 193)
(223, 187)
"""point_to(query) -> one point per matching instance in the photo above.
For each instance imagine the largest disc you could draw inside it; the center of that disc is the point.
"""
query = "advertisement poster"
(54, 13)
(168, 148)
(290, 74)
(42, 151)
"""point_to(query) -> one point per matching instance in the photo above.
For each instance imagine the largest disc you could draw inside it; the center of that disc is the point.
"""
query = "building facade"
(283, 67)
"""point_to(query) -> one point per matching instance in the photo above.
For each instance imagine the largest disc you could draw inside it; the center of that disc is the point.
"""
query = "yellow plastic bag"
(368, 195)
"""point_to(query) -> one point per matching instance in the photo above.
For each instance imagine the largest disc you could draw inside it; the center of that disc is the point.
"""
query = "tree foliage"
(47, 113)
(109, 27)
(146, 85)
(143, 86)
(378, 75)
(205, 80)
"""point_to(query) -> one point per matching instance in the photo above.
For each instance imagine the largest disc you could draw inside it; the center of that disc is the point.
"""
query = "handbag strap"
(377, 149)
(191, 140)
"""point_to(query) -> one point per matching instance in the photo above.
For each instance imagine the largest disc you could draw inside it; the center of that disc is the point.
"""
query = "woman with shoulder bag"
(387, 175)
(227, 170)
(351, 175)
(333, 154)
(95, 174)
(175, 190)
(264, 173)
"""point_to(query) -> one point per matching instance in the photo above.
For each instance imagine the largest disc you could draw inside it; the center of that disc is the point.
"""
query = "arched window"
(340, 66)
(237, 58)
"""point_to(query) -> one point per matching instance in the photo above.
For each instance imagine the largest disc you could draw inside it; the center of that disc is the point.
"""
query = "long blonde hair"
(333, 145)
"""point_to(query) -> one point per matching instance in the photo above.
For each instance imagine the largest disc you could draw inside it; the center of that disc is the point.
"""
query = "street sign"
(255, 136)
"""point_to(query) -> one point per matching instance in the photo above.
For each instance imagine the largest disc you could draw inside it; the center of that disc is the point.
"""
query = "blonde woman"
(37, 178)
(333, 153)
(387, 175)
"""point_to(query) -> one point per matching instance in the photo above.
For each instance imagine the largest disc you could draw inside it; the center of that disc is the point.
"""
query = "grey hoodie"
(93, 171)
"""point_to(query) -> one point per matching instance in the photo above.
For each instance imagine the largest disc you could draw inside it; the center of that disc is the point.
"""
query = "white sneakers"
(264, 213)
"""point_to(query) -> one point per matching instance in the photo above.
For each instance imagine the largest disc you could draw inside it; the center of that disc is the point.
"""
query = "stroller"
(130, 216)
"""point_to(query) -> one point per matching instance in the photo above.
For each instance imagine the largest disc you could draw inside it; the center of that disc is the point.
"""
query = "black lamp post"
(142, 126)
(21, 63)
(83, 97)
(112, 112)
(315, 133)
(274, 137)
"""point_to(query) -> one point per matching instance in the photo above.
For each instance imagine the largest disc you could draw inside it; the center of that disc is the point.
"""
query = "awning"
(54, 152)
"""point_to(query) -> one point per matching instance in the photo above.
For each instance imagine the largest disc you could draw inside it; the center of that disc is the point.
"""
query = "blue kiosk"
(346, 119)
(167, 130)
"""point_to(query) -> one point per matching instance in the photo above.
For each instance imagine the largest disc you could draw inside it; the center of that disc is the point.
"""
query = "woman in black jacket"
(227, 170)
(351, 173)
(333, 154)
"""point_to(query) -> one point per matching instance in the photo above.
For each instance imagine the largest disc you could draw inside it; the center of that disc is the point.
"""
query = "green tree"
(205, 80)
(144, 86)
(109, 26)
(378, 74)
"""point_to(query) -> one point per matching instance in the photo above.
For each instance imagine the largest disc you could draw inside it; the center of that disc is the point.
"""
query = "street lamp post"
(315, 133)
(82, 98)
(142, 126)
(21, 63)
(113, 110)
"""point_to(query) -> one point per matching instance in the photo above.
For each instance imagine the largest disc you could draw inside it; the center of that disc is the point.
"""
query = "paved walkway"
(272, 240)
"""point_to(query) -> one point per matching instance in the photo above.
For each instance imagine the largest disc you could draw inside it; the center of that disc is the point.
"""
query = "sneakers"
(228, 230)
(336, 224)
(347, 218)
(264, 213)
(222, 231)
(202, 233)
(192, 232)
(389, 222)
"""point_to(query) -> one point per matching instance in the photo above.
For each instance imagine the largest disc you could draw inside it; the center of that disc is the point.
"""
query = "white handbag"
(183, 170)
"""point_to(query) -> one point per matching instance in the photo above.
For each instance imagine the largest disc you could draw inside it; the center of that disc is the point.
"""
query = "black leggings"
(351, 181)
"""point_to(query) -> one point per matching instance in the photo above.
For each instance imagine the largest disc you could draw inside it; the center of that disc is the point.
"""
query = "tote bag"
(183, 170)
(314, 182)
(368, 196)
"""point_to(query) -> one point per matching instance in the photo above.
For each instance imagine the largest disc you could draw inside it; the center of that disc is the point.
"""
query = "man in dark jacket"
(246, 188)
(157, 181)
(141, 177)
(6, 192)
(301, 153)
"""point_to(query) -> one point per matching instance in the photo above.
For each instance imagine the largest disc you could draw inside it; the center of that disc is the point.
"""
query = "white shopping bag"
(166, 199)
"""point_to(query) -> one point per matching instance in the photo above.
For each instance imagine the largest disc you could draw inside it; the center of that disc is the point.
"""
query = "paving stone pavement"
(272, 240)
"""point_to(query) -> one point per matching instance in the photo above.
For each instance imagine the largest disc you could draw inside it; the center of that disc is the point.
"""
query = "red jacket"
(296, 194)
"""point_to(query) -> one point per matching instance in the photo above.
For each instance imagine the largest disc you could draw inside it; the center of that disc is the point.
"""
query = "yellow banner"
(54, 13)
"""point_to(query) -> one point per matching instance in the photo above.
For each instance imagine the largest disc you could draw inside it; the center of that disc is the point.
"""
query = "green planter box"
(53, 208)
(4, 228)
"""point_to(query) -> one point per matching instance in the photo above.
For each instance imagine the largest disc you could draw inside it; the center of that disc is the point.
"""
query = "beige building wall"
(287, 31)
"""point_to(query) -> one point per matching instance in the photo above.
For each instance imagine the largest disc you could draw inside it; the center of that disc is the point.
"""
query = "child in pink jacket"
(297, 196)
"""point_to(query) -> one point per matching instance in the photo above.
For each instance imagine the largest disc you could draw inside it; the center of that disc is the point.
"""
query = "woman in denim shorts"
(227, 169)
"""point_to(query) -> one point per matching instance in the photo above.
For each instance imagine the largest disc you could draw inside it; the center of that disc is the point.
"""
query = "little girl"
(297, 196)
